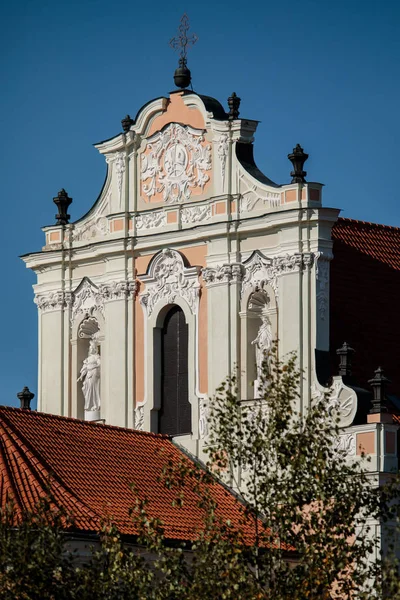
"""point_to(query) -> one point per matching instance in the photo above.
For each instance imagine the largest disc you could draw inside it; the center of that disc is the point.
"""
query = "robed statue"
(263, 345)
(90, 377)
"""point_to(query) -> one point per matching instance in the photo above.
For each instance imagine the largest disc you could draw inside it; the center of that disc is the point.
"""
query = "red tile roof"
(365, 288)
(92, 467)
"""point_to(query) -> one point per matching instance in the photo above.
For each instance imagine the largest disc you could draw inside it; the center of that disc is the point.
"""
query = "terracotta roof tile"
(91, 468)
(365, 287)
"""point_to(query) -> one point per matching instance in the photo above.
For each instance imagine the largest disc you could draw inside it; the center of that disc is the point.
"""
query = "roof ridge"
(369, 223)
(36, 413)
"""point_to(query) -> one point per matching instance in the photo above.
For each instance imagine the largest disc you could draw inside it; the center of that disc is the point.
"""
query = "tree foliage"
(306, 531)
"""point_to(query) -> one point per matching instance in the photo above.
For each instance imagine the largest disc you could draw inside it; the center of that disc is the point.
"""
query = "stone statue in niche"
(263, 344)
(90, 377)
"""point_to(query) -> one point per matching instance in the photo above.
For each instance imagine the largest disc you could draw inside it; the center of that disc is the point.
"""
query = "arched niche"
(259, 309)
(88, 331)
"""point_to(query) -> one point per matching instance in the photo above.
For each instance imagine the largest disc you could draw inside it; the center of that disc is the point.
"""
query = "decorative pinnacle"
(25, 398)
(345, 354)
(298, 158)
(378, 384)
(126, 123)
(181, 42)
(62, 200)
(233, 104)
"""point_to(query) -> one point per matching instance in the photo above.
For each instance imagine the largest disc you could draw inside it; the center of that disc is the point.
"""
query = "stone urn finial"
(25, 397)
(233, 104)
(298, 157)
(62, 200)
(345, 354)
(378, 384)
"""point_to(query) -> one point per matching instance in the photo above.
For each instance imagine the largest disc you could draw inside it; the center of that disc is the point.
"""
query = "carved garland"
(151, 220)
(195, 214)
(87, 298)
(120, 170)
(223, 146)
(261, 271)
(223, 274)
(168, 279)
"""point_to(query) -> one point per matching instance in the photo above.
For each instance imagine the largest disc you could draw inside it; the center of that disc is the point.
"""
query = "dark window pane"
(175, 412)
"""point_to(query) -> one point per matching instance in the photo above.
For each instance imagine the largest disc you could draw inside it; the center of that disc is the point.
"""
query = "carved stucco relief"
(261, 271)
(87, 298)
(175, 164)
(322, 275)
(195, 214)
(153, 220)
(168, 279)
(253, 195)
(223, 274)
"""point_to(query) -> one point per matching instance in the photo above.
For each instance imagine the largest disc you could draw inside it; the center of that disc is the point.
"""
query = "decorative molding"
(346, 443)
(341, 400)
(322, 275)
(87, 300)
(51, 301)
(223, 146)
(139, 417)
(204, 413)
(168, 279)
(91, 230)
(261, 271)
(195, 214)
(174, 162)
(153, 220)
(222, 274)
(117, 290)
(120, 170)
(252, 194)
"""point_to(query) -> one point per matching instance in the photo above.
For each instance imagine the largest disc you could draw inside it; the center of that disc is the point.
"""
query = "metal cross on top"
(181, 42)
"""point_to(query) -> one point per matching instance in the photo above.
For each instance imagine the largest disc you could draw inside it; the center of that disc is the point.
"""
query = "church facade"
(188, 267)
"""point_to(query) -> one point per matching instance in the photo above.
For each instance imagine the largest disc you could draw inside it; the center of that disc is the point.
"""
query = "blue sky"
(322, 74)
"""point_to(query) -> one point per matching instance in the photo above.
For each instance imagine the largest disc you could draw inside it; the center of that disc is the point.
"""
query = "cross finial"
(182, 41)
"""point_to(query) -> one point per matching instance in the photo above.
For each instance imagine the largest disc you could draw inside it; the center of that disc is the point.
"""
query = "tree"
(304, 529)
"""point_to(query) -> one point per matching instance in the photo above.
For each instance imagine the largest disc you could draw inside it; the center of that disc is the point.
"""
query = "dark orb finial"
(298, 158)
(62, 200)
(181, 43)
(233, 104)
(126, 123)
(25, 397)
(345, 354)
(378, 384)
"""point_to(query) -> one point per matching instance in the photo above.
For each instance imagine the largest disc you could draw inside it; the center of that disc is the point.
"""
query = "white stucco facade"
(184, 218)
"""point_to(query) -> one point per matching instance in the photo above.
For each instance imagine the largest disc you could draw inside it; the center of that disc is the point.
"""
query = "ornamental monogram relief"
(168, 279)
(175, 163)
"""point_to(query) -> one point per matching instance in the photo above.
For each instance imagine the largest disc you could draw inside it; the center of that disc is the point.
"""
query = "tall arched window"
(174, 417)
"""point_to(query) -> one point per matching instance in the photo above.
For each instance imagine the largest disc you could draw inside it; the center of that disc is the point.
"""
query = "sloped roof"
(365, 287)
(380, 242)
(91, 468)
